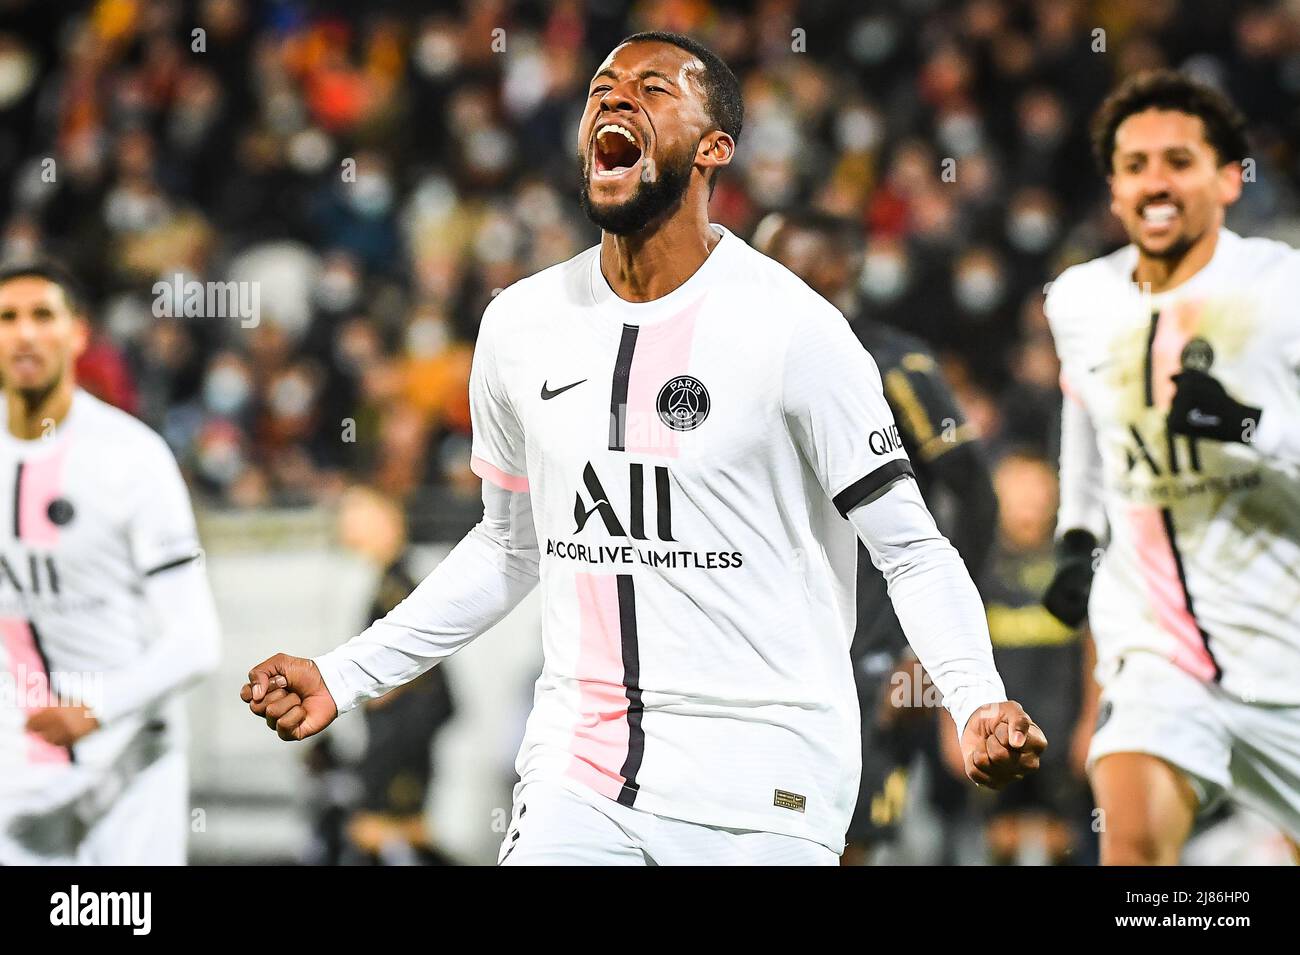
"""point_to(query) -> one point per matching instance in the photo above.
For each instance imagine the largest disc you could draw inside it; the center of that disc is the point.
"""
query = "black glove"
(1203, 409)
(1067, 595)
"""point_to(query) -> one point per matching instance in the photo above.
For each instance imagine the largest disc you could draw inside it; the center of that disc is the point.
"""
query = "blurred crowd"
(380, 169)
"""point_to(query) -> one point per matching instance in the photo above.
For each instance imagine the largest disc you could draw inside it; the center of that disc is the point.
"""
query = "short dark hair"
(1225, 127)
(722, 97)
(74, 292)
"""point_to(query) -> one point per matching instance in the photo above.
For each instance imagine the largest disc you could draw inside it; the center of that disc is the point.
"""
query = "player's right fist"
(1067, 595)
(289, 693)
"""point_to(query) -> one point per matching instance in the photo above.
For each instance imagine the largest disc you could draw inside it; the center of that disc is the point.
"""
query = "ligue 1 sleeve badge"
(683, 403)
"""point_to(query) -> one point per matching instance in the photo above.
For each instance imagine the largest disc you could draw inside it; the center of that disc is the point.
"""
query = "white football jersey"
(690, 461)
(92, 508)
(1203, 561)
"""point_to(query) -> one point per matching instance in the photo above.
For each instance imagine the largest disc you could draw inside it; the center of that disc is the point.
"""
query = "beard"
(34, 396)
(650, 201)
(1174, 251)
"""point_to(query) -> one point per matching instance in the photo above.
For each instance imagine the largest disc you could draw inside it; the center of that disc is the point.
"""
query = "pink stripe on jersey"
(1173, 331)
(494, 475)
(31, 683)
(1165, 591)
(663, 351)
(42, 480)
(1068, 390)
(600, 736)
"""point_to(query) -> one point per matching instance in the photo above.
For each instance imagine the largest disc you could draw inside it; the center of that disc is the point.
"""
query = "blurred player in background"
(396, 768)
(1180, 358)
(826, 252)
(105, 609)
(1045, 662)
(679, 439)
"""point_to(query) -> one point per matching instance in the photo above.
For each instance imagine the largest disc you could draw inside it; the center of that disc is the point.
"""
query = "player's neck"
(34, 417)
(1161, 274)
(649, 265)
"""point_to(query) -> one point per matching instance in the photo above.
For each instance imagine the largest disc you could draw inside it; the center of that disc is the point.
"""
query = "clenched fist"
(290, 695)
(1000, 744)
(62, 725)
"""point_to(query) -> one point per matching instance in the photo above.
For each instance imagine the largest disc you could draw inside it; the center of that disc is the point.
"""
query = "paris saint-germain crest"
(683, 403)
(1198, 355)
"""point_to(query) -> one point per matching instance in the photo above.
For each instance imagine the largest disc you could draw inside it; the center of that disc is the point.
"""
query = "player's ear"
(1115, 207)
(1229, 177)
(80, 335)
(716, 149)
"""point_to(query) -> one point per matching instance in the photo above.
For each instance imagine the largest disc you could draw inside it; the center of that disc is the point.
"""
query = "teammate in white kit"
(1180, 358)
(678, 438)
(105, 610)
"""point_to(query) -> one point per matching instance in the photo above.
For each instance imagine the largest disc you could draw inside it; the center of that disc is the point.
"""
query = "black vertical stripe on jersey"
(1168, 519)
(663, 505)
(618, 392)
(637, 525)
(18, 490)
(49, 680)
(631, 680)
(1142, 448)
(1151, 342)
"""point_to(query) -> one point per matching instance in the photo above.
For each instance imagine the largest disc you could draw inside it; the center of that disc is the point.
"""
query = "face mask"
(873, 39)
(772, 184)
(20, 248)
(291, 397)
(353, 352)
(884, 277)
(131, 211)
(1031, 231)
(436, 54)
(371, 195)
(978, 290)
(426, 337)
(225, 390)
(337, 290)
(960, 134)
(220, 460)
(858, 131)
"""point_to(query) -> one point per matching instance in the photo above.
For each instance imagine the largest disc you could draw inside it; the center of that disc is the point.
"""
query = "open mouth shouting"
(615, 151)
(1159, 214)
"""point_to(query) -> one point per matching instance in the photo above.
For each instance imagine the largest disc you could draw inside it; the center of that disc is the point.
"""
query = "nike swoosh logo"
(547, 394)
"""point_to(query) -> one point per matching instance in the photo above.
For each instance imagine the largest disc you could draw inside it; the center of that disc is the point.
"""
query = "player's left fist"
(62, 725)
(1000, 744)
(1202, 408)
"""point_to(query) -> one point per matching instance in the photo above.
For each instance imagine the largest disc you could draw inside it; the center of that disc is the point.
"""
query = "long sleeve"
(1278, 434)
(837, 414)
(483, 578)
(933, 596)
(185, 635)
(186, 644)
(1082, 505)
(930, 417)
